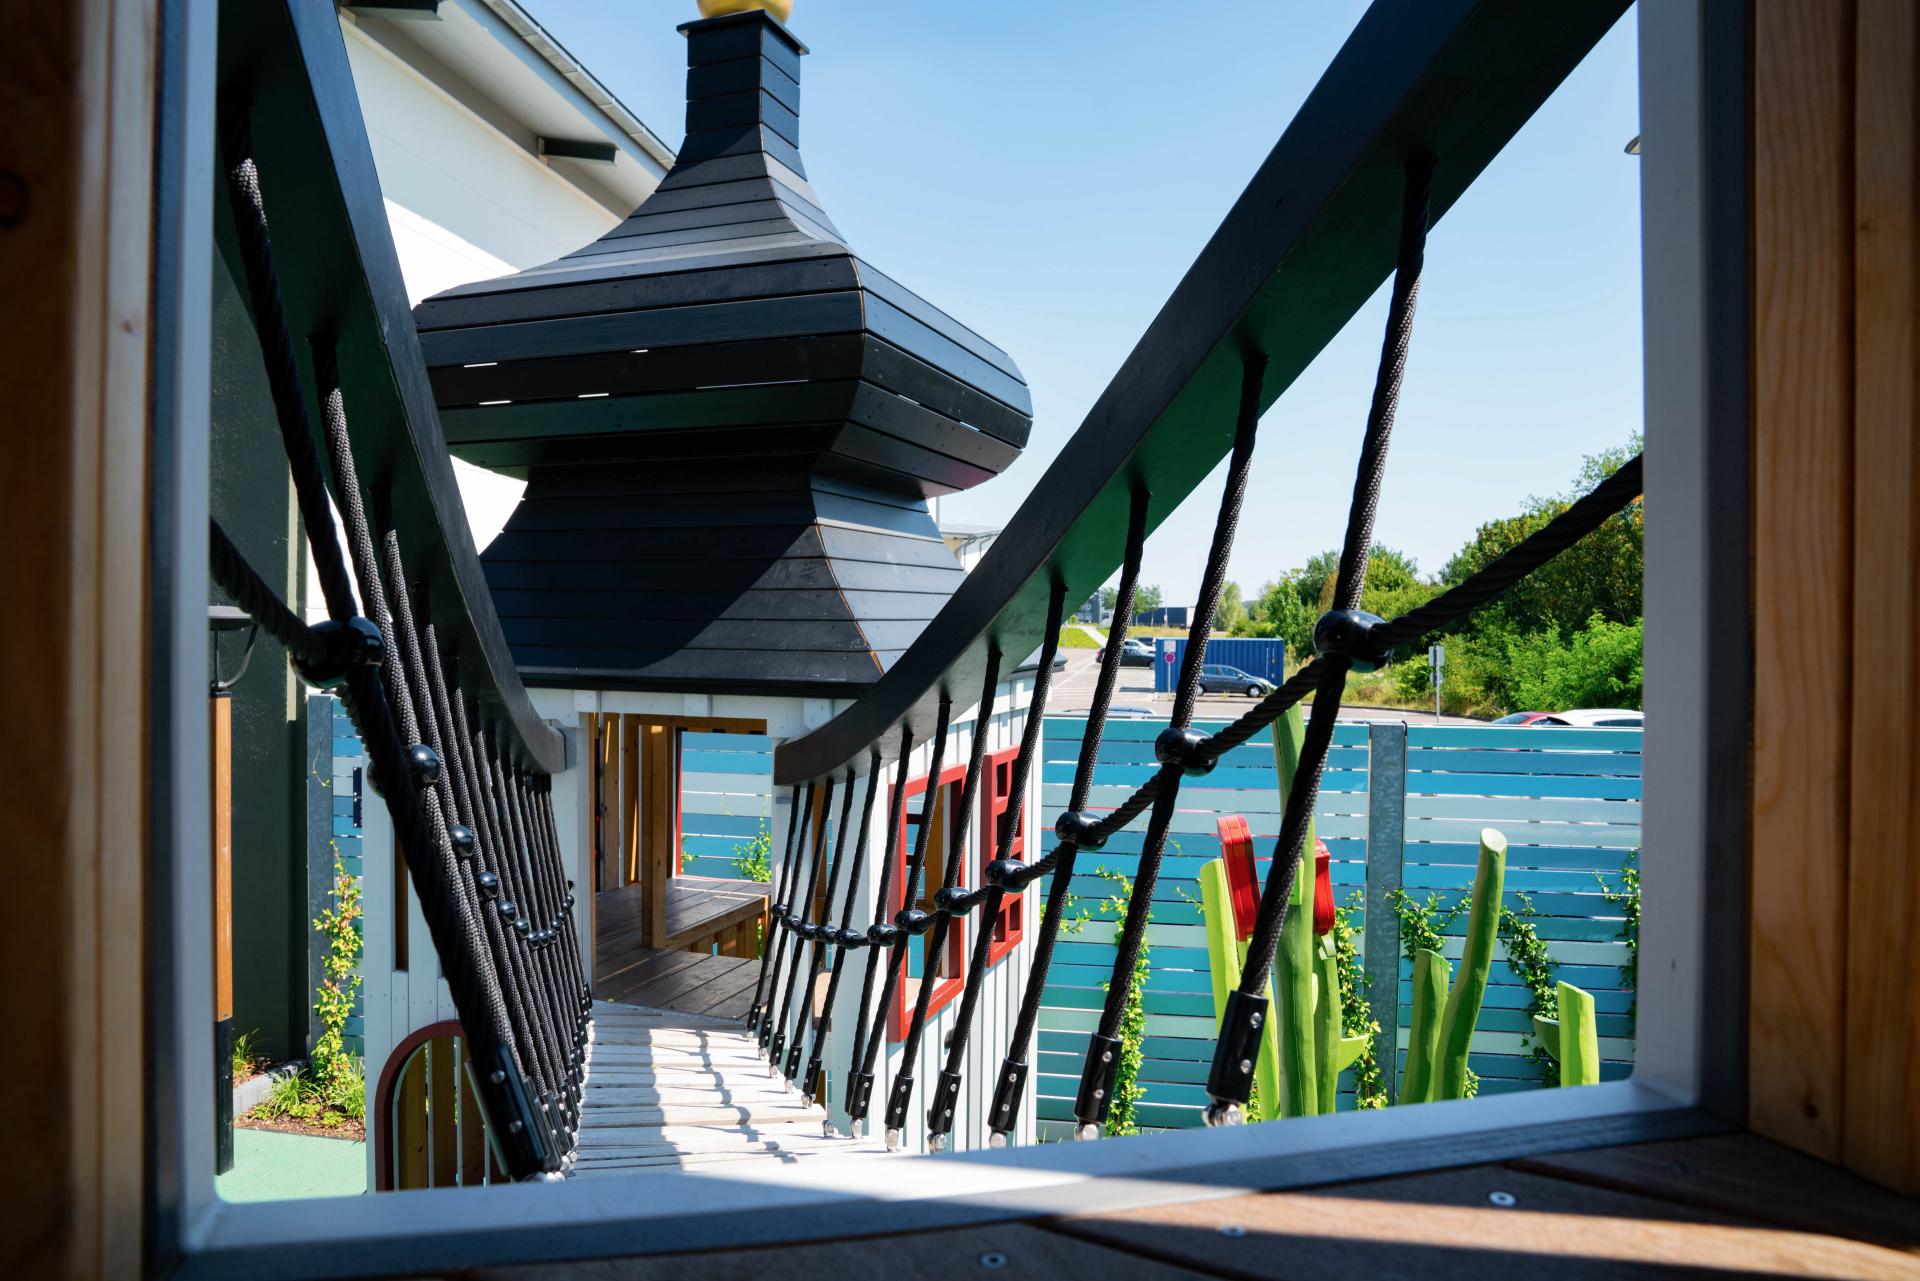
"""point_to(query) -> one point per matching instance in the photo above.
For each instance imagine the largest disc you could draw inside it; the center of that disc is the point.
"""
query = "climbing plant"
(753, 859)
(1626, 898)
(1356, 1010)
(338, 1073)
(1527, 957)
(1123, 1117)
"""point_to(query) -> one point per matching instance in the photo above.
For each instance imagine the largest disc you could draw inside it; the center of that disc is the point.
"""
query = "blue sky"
(1046, 172)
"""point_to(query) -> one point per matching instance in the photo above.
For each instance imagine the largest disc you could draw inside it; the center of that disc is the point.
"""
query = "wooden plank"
(630, 817)
(657, 852)
(1031, 1250)
(1881, 1127)
(1747, 1176)
(1448, 1225)
(79, 90)
(1802, 569)
(409, 1122)
(473, 1131)
(442, 1090)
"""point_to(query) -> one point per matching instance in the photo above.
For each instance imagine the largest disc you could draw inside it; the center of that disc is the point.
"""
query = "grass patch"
(1072, 636)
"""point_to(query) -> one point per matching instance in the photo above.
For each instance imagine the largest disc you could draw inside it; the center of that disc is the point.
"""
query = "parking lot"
(1073, 693)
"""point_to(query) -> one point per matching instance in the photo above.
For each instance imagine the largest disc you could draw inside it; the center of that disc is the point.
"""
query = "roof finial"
(780, 9)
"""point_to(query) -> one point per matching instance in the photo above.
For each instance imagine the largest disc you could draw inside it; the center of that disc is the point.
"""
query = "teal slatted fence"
(1568, 801)
(726, 794)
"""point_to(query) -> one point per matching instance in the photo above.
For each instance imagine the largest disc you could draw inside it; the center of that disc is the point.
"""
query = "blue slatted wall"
(726, 793)
(1567, 800)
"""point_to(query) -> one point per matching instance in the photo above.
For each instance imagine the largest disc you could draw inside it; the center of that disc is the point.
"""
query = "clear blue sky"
(1046, 172)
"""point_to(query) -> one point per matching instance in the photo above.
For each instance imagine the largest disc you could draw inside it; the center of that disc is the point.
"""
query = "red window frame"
(1010, 924)
(945, 989)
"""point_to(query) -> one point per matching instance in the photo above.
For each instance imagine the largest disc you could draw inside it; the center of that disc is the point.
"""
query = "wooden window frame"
(1010, 925)
(1690, 1075)
(953, 780)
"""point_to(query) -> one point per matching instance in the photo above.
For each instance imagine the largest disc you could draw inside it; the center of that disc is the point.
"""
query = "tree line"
(1568, 635)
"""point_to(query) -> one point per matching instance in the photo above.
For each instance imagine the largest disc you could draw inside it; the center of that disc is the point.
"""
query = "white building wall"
(1005, 982)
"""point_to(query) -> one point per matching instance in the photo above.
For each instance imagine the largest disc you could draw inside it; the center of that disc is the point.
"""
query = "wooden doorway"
(643, 899)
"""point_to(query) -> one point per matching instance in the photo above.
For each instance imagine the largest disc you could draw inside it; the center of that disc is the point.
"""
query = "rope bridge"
(472, 811)
(1345, 639)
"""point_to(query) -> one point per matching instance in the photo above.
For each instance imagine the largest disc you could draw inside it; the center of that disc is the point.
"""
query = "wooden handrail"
(1303, 248)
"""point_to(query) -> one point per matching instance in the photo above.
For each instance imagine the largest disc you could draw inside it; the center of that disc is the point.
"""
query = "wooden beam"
(1802, 567)
(657, 851)
(1881, 1128)
(630, 796)
(79, 85)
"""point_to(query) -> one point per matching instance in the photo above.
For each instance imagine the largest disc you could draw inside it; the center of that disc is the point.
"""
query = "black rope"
(276, 349)
(796, 918)
(860, 1084)
(946, 1092)
(1176, 750)
(877, 934)
(900, 1096)
(1238, 1048)
(347, 651)
(783, 892)
(1011, 1081)
(847, 941)
(817, 929)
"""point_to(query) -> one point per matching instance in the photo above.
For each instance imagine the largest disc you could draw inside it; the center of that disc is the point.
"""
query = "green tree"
(1147, 597)
(1600, 574)
(1232, 614)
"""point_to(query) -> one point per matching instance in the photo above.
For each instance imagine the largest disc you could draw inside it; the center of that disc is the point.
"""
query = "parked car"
(1522, 718)
(1218, 678)
(1129, 710)
(1136, 653)
(1596, 718)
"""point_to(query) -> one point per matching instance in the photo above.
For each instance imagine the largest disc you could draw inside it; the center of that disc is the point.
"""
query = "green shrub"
(753, 860)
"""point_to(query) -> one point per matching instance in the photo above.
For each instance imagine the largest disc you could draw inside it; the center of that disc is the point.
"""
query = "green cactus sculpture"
(1293, 965)
(1430, 975)
(1573, 1039)
(1470, 986)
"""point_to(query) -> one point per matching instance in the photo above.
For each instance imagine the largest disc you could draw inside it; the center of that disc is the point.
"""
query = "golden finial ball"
(780, 9)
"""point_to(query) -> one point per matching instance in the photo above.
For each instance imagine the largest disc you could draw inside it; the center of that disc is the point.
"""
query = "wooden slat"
(1881, 1128)
(1802, 579)
(79, 86)
(442, 1088)
(409, 1122)
(630, 803)
(1741, 1174)
(1448, 1225)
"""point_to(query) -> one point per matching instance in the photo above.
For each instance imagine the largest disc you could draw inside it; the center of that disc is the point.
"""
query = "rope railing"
(1345, 640)
(476, 832)
(797, 925)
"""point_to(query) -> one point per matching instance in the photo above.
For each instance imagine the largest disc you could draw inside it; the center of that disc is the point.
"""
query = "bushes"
(1601, 666)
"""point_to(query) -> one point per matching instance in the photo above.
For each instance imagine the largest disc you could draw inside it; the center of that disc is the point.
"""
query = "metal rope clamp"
(1187, 748)
(946, 1095)
(347, 643)
(882, 933)
(913, 921)
(1081, 829)
(1352, 634)
(954, 901)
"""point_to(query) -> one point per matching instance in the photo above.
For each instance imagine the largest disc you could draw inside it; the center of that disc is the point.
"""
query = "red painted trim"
(948, 988)
(382, 1109)
(1010, 925)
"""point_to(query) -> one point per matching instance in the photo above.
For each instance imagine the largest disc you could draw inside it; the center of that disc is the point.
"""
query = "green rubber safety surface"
(283, 1167)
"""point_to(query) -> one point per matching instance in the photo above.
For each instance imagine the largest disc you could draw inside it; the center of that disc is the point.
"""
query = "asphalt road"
(1073, 692)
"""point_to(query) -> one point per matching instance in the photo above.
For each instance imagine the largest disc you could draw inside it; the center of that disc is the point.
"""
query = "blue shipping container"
(1267, 658)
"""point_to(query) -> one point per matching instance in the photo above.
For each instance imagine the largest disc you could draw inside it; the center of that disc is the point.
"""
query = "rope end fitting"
(346, 643)
(1008, 1088)
(1096, 1081)
(1238, 1049)
(1187, 748)
(946, 1095)
(1352, 634)
(859, 1096)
